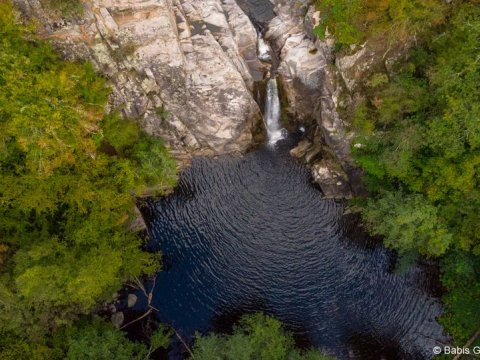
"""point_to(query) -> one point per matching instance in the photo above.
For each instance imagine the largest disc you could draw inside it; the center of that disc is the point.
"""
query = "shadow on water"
(376, 348)
(260, 12)
(244, 234)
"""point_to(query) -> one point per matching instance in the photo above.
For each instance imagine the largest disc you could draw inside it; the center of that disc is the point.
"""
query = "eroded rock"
(138, 224)
(302, 66)
(332, 179)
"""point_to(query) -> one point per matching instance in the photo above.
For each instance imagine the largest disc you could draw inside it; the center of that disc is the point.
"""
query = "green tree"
(461, 277)
(68, 186)
(258, 337)
(98, 340)
(408, 222)
(420, 149)
(91, 338)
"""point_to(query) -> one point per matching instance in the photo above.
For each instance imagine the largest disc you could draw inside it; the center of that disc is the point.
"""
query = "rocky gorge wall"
(186, 69)
(309, 86)
(322, 86)
(179, 67)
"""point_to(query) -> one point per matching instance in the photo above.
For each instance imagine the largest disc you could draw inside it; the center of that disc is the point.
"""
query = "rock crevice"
(310, 85)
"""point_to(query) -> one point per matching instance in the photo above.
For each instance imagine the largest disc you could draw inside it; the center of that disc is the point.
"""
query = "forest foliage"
(355, 21)
(255, 337)
(69, 177)
(418, 141)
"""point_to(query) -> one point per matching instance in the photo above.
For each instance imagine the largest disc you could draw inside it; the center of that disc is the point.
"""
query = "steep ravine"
(186, 70)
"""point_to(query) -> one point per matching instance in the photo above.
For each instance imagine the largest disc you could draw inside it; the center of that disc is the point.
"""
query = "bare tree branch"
(469, 342)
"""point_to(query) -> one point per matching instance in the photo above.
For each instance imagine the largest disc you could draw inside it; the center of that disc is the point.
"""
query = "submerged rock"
(131, 300)
(117, 319)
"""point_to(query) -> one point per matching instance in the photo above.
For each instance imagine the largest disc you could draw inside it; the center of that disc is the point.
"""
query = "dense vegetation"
(69, 177)
(354, 21)
(419, 140)
(256, 337)
(68, 180)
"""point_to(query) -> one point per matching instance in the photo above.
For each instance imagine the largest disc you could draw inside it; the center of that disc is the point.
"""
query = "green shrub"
(122, 51)
(64, 7)
(377, 79)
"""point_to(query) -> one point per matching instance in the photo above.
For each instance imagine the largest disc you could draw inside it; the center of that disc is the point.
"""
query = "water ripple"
(252, 233)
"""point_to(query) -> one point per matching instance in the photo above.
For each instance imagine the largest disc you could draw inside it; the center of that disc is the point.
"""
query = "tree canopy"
(255, 337)
(419, 144)
(355, 21)
(69, 176)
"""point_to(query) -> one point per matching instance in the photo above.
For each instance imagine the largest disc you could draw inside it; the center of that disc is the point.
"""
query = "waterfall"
(272, 113)
(271, 117)
(263, 50)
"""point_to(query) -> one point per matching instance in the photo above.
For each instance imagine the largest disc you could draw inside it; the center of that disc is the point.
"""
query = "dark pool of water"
(251, 233)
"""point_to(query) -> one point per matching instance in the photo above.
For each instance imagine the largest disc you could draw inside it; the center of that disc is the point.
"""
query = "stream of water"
(273, 128)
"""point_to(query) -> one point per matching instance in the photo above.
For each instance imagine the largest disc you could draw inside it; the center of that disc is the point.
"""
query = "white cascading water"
(271, 116)
(264, 51)
(272, 113)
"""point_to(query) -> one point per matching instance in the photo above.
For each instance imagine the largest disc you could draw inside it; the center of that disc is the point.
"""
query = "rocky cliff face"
(183, 68)
(318, 84)
(309, 81)
(186, 70)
